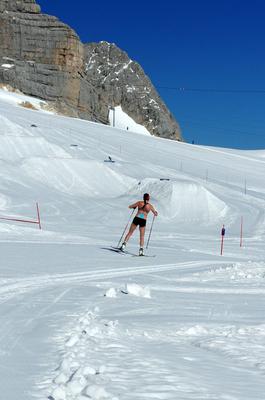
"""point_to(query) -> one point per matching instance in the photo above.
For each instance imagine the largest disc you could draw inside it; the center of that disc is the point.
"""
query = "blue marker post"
(222, 239)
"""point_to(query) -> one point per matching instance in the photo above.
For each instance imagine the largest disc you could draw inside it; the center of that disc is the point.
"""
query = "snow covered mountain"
(79, 321)
(43, 57)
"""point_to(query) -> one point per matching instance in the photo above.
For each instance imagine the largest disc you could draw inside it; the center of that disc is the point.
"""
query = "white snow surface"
(16, 97)
(7, 66)
(79, 321)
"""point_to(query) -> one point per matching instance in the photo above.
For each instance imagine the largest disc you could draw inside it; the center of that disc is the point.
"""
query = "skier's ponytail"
(146, 198)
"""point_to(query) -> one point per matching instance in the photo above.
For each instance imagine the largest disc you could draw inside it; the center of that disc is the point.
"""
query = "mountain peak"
(43, 57)
(27, 6)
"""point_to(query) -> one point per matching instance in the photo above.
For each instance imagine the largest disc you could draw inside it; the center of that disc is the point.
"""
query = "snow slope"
(79, 321)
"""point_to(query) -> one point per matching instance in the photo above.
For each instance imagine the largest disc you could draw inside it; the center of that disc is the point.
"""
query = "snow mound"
(138, 290)
(17, 148)
(17, 143)
(111, 293)
(184, 200)
(78, 177)
(236, 272)
(241, 343)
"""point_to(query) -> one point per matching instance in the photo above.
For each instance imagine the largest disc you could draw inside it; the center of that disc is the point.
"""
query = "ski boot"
(141, 251)
(123, 246)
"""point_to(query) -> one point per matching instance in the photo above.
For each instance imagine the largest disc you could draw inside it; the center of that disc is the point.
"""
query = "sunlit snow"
(79, 321)
(119, 119)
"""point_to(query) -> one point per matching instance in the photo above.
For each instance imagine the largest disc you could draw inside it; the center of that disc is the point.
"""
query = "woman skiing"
(144, 207)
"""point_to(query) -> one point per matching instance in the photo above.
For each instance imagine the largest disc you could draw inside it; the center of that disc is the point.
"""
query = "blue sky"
(214, 47)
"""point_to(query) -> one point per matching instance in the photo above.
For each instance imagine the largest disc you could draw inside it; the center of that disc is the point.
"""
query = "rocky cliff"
(44, 57)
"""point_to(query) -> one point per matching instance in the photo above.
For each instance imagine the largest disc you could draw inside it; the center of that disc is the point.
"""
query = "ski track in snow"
(94, 348)
(78, 323)
(12, 288)
(98, 353)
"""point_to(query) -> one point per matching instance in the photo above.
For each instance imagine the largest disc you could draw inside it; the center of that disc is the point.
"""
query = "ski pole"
(150, 231)
(118, 245)
(222, 239)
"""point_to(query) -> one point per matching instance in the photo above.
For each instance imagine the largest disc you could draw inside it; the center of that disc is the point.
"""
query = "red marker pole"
(222, 239)
(241, 232)
(38, 214)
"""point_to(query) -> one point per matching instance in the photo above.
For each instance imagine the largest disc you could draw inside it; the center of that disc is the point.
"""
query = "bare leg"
(142, 232)
(129, 234)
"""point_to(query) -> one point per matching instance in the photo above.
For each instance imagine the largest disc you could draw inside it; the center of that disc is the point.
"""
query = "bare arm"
(134, 205)
(154, 211)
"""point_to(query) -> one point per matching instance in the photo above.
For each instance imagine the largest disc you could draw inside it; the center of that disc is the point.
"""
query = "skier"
(144, 207)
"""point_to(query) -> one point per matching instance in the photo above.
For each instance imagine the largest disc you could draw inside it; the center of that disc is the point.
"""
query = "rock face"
(43, 57)
(121, 81)
(40, 55)
(27, 6)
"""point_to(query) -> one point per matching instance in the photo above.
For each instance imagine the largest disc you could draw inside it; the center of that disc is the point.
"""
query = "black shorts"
(139, 221)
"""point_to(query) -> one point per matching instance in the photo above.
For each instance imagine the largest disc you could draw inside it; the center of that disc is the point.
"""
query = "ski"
(114, 249)
(144, 255)
(125, 252)
(118, 250)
